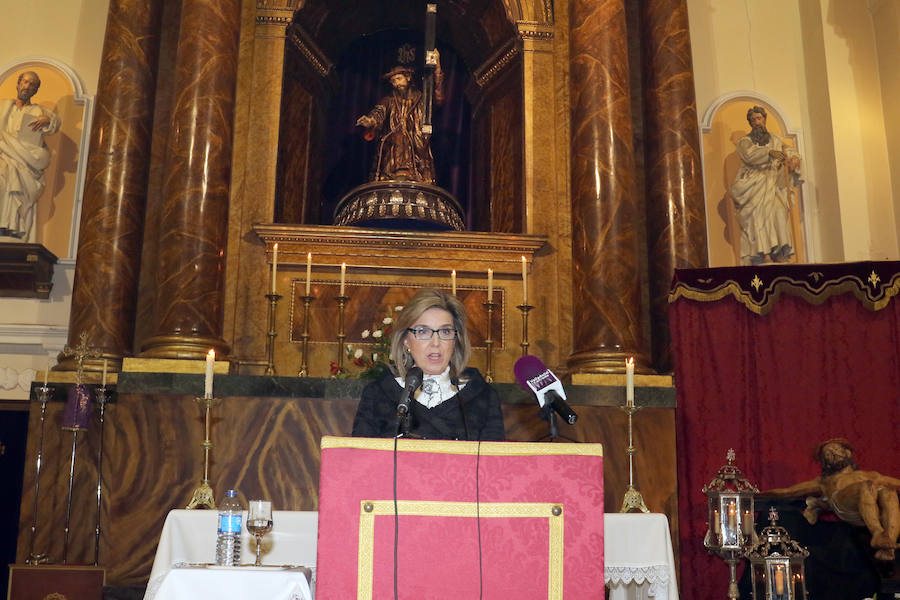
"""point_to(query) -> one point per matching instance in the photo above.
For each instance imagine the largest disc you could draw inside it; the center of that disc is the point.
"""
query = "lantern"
(730, 516)
(776, 564)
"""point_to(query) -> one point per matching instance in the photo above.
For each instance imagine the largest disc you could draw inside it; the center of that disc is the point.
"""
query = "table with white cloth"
(189, 538)
(639, 561)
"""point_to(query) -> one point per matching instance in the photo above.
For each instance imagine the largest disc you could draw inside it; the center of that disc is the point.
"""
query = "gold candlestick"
(633, 499)
(489, 371)
(271, 334)
(342, 303)
(37, 559)
(304, 347)
(203, 495)
(524, 308)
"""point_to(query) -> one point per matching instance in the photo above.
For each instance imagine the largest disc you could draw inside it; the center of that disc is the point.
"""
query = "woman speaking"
(453, 402)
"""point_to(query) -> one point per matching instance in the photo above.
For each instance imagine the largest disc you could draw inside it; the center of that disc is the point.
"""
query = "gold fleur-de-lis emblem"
(756, 283)
(874, 278)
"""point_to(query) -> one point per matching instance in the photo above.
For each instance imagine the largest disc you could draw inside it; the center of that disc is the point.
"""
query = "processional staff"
(430, 66)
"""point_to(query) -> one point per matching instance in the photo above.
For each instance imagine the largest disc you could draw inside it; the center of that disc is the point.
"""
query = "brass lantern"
(730, 517)
(776, 564)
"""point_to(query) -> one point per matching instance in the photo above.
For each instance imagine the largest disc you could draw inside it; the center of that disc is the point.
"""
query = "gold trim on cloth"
(759, 288)
(456, 447)
(369, 509)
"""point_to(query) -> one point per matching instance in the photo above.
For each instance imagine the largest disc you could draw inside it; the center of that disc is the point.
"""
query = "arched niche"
(479, 44)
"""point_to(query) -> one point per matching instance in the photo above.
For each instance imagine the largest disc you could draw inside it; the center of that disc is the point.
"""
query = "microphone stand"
(548, 414)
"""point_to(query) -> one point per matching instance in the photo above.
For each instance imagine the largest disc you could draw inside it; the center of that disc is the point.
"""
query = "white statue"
(23, 157)
(762, 193)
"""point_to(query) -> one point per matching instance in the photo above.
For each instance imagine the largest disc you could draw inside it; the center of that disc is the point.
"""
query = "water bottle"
(228, 542)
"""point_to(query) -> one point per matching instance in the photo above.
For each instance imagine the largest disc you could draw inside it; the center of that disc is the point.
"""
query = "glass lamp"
(776, 564)
(730, 517)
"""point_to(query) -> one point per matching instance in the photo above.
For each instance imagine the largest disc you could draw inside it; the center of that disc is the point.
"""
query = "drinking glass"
(259, 523)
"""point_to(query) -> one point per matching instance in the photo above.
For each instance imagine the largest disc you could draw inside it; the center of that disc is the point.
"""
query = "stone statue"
(761, 192)
(862, 498)
(23, 157)
(404, 150)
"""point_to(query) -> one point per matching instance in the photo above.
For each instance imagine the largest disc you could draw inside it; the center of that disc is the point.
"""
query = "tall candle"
(524, 281)
(208, 382)
(308, 270)
(343, 276)
(274, 265)
(453, 281)
(629, 381)
(103, 384)
(732, 517)
(747, 523)
(717, 526)
(779, 580)
(490, 285)
(46, 371)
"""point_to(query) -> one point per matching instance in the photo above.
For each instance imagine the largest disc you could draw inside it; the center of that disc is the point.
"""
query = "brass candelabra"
(341, 336)
(304, 347)
(271, 334)
(524, 308)
(103, 396)
(489, 342)
(203, 495)
(633, 499)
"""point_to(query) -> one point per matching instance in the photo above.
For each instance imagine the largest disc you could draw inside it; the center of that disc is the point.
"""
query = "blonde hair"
(418, 304)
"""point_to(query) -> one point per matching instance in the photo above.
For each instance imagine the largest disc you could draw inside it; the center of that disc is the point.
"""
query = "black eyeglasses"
(424, 334)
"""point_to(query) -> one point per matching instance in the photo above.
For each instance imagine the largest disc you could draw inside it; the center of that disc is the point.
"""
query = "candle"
(732, 516)
(490, 285)
(524, 281)
(46, 371)
(747, 524)
(717, 527)
(779, 580)
(104, 374)
(453, 281)
(208, 382)
(343, 276)
(274, 265)
(629, 381)
(308, 270)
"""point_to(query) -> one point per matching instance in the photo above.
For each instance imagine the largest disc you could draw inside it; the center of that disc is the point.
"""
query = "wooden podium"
(521, 520)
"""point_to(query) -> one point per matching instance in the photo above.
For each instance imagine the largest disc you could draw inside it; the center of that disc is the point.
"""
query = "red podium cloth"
(539, 525)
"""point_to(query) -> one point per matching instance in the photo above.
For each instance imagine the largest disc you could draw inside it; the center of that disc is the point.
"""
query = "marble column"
(676, 218)
(605, 209)
(112, 215)
(190, 273)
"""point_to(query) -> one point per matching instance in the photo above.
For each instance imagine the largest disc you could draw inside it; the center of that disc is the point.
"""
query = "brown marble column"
(676, 218)
(605, 215)
(194, 213)
(112, 215)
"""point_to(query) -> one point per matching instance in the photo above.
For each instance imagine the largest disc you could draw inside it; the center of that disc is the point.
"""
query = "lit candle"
(274, 265)
(779, 580)
(717, 527)
(308, 270)
(103, 384)
(208, 382)
(490, 285)
(343, 276)
(46, 371)
(747, 524)
(732, 516)
(629, 381)
(453, 281)
(524, 281)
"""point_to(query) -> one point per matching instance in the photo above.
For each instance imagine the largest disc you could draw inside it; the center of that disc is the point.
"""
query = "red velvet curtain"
(773, 387)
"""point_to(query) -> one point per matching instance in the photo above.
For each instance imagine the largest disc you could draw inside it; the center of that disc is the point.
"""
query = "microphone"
(534, 376)
(413, 382)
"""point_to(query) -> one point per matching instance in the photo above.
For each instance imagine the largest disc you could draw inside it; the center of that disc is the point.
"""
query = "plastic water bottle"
(228, 543)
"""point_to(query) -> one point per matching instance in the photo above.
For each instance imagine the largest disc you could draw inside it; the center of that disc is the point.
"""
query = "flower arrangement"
(375, 360)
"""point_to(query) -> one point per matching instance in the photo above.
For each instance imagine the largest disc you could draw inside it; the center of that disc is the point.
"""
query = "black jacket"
(376, 415)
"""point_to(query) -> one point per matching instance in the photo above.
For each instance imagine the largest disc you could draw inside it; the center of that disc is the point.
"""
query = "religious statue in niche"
(762, 193)
(23, 157)
(398, 123)
(402, 191)
(863, 498)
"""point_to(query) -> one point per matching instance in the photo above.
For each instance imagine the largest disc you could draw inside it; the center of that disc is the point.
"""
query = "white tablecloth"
(189, 537)
(639, 561)
(234, 583)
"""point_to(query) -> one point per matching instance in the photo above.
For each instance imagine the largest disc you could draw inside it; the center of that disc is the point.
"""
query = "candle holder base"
(38, 559)
(633, 501)
(202, 497)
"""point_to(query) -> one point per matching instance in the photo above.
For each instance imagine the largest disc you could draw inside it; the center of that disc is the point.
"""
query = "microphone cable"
(396, 520)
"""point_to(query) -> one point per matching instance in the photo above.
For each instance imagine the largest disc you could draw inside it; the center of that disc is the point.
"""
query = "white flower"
(398, 308)
(358, 353)
(374, 356)
(377, 333)
(349, 348)
(365, 333)
(387, 320)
